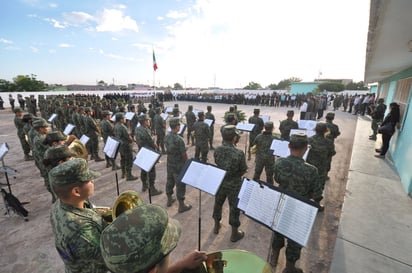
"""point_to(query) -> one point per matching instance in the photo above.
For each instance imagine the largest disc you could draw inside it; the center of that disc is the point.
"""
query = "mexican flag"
(154, 62)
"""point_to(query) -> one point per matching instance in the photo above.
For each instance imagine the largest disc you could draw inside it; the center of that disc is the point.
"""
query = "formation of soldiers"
(93, 116)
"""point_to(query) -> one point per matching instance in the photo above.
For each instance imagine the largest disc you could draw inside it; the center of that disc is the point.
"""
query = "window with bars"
(401, 97)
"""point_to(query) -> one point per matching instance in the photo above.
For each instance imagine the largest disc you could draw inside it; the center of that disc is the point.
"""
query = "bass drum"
(232, 261)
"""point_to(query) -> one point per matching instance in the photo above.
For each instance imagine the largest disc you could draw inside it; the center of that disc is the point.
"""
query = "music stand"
(203, 176)
(247, 127)
(111, 148)
(145, 159)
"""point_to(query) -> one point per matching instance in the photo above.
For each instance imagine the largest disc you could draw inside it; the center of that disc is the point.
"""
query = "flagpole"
(154, 86)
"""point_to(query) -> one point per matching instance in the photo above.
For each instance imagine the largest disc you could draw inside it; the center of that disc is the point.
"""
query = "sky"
(197, 43)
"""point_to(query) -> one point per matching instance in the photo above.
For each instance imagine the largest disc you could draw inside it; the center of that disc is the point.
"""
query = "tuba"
(79, 149)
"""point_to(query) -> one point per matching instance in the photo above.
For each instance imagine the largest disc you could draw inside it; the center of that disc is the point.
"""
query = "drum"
(233, 261)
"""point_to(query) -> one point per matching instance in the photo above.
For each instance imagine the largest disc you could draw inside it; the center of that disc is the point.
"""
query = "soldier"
(333, 128)
(287, 125)
(264, 156)
(190, 121)
(18, 122)
(233, 161)
(39, 148)
(76, 226)
(377, 115)
(159, 125)
(11, 101)
(209, 115)
(295, 175)
(107, 130)
(144, 139)
(201, 132)
(126, 147)
(176, 158)
(92, 132)
(56, 155)
(148, 231)
(134, 121)
(321, 152)
(257, 129)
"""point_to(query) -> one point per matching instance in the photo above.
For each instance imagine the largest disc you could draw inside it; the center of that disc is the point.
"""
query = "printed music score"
(209, 122)
(146, 158)
(111, 147)
(248, 127)
(52, 117)
(69, 129)
(281, 148)
(129, 115)
(84, 139)
(278, 211)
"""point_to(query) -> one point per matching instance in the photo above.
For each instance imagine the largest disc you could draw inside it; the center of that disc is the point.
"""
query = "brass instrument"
(79, 149)
(125, 201)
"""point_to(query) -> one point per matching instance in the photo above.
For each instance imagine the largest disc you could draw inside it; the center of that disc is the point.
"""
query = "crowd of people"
(87, 243)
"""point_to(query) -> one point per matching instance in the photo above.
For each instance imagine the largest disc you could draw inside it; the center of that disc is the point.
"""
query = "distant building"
(303, 87)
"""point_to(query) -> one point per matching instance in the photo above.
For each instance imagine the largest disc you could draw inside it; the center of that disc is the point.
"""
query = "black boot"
(130, 176)
(290, 268)
(217, 227)
(170, 200)
(183, 207)
(236, 234)
(154, 191)
(97, 158)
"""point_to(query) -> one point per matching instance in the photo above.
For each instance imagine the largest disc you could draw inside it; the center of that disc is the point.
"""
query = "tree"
(28, 83)
(356, 86)
(331, 87)
(6, 86)
(252, 86)
(177, 86)
(272, 86)
(285, 84)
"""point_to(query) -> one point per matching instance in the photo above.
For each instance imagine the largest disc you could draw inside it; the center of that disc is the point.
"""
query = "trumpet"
(125, 201)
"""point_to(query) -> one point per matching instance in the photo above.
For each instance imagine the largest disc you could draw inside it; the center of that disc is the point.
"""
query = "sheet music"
(111, 147)
(146, 158)
(113, 118)
(182, 129)
(164, 116)
(265, 118)
(196, 112)
(309, 133)
(52, 117)
(245, 126)
(84, 139)
(307, 124)
(3, 150)
(129, 115)
(280, 148)
(69, 129)
(208, 122)
(169, 109)
(204, 177)
(296, 219)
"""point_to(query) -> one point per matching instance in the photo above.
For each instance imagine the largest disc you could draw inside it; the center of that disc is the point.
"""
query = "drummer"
(140, 241)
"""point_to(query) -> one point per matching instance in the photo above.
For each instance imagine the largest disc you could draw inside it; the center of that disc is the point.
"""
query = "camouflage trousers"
(375, 126)
(292, 248)
(24, 145)
(152, 176)
(126, 160)
(268, 164)
(172, 181)
(202, 150)
(220, 197)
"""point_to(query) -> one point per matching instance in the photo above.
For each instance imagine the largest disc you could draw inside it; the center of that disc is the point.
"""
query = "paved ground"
(29, 246)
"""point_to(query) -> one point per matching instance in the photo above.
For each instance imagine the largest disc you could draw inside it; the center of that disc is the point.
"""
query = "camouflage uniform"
(107, 130)
(233, 161)
(91, 131)
(18, 122)
(295, 175)
(190, 121)
(333, 131)
(159, 125)
(285, 127)
(377, 118)
(125, 149)
(76, 230)
(209, 115)
(264, 156)
(202, 132)
(257, 129)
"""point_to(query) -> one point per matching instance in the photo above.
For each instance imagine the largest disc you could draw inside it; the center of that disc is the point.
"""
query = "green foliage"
(272, 86)
(356, 86)
(240, 115)
(177, 86)
(6, 86)
(285, 84)
(26, 83)
(331, 87)
(252, 86)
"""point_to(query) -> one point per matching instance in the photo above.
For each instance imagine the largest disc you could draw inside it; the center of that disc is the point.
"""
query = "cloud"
(174, 14)
(53, 5)
(77, 17)
(112, 20)
(34, 49)
(63, 45)
(117, 57)
(5, 41)
(55, 23)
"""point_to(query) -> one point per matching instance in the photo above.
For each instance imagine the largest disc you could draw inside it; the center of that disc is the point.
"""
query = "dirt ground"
(28, 247)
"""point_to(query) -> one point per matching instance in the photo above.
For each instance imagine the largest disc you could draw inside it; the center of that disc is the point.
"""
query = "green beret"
(53, 136)
(298, 138)
(40, 122)
(27, 117)
(290, 113)
(58, 152)
(17, 110)
(174, 122)
(139, 239)
(87, 109)
(229, 132)
(106, 113)
(119, 116)
(256, 111)
(70, 172)
(330, 115)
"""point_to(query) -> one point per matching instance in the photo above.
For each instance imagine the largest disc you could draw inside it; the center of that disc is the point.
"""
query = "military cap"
(229, 132)
(321, 127)
(81, 108)
(209, 107)
(119, 116)
(256, 111)
(158, 110)
(174, 122)
(330, 115)
(175, 109)
(290, 113)
(201, 114)
(106, 113)
(268, 124)
(381, 100)
(27, 117)
(87, 109)
(53, 136)
(298, 138)
(132, 106)
(40, 122)
(144, 117)
(70, 172)
(17, 110)
(176, 105)
(139, 239)
(58, 152)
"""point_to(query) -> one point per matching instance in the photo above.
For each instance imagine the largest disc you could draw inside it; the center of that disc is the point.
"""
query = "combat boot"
(115, 166)
(154, 191)
(170, 200)
(144, 186)
(97, 158)
(123, 172)
(28, 157)
(108, 164)
(130, 177)
(236, 234)
(290, 268)
(183, 207)
(217, 227)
